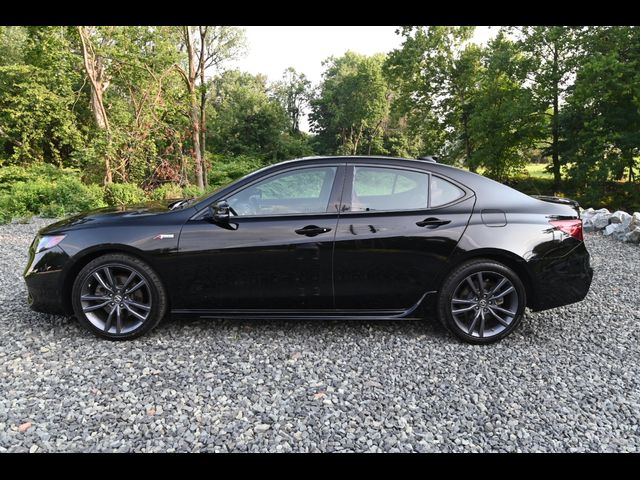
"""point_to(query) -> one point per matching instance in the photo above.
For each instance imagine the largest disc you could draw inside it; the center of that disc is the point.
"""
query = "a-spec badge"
(163, 236)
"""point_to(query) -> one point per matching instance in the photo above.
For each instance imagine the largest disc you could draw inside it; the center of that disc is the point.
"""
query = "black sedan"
(319, 238)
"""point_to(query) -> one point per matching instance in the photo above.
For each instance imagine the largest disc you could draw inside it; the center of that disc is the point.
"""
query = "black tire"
(152, 292)
(457, 282)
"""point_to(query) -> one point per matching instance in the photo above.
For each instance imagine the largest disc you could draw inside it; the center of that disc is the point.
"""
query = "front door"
(396, 232)
(275, 252)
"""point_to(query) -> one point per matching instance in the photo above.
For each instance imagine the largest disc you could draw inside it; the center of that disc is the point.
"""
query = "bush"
(44, 190)
(226, 170)
(167, 191)
(191, 191)
(120, 194)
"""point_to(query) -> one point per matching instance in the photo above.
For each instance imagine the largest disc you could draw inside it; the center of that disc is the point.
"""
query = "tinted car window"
(443, 192)
(377, 188)
(306, 190)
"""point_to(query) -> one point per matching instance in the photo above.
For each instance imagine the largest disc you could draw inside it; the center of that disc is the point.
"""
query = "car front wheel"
(481, 301)
(118, 297)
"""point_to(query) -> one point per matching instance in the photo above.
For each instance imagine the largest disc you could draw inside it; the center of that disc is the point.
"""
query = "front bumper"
(45, 281)
(562, 280)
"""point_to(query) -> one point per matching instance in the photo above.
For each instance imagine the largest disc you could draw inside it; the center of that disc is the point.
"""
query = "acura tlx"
(319, 238)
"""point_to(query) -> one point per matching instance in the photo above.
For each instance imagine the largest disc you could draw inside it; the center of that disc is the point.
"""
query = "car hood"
(108, 215)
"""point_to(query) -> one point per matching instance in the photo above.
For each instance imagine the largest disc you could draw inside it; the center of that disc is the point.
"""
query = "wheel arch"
(509, 259)
(86, 256)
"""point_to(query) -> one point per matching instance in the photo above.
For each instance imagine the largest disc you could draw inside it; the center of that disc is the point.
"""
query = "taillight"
(570, 227)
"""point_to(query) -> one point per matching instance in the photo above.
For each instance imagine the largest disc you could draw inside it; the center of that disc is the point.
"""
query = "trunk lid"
(561, 200)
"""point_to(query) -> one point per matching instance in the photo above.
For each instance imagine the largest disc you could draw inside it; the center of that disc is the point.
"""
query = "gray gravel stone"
(566, 380)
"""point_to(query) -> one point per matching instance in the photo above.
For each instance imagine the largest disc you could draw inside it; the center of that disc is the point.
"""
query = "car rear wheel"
(118, 297)
(481, 301)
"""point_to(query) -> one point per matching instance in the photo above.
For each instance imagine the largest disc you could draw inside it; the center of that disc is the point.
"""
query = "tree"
(352, 105)
(433, 81)
(503, 124)
(601, 122)
(205, 47)
(37, 82)
(293, 92)
(95, 69)
(244, 119)
(552, 53)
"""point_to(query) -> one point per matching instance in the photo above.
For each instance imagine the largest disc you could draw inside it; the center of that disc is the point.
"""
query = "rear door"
(396, 230)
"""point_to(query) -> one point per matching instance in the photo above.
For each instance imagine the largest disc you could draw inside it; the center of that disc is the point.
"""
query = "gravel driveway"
(566, 380)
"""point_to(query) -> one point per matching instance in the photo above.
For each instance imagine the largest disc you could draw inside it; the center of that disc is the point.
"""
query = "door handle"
(432, 222)
(312, 230)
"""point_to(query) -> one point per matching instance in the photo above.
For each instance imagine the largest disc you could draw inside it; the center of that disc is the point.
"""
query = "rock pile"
(621, 225)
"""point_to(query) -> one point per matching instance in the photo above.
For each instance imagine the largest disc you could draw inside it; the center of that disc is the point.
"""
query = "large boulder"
(635, 220)
(620, 217)
(633, 236)
(600, 218)
(617, 230)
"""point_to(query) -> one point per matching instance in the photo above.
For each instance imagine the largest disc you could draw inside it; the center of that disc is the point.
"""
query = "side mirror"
(220, 212)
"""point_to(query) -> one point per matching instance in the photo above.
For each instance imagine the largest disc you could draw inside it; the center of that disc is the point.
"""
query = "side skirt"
(253, 314)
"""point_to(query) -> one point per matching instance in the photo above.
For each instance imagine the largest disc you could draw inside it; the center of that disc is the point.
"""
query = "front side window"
(306, 190)
(378, 188)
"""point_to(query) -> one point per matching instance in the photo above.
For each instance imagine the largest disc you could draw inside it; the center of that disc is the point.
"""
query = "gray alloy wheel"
(484, 304)
(118, 297)
(481, 301)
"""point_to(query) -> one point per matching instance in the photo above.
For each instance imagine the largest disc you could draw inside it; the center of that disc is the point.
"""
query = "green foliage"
(352, 104)
(167, 191)
(226, 170)
(45, 190)
(120, 194)
(503, 106)
(243, 120)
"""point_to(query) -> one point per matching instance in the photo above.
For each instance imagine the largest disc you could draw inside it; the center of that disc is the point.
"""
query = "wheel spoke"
(88, 298)
(482, 322)
(498, 317)
(500, 309)
(109, 277)
(135, 314)
(473, 287)
(141, 306)
(463, 301)
(95, 307)
(473, 323)
(465, 309)
(107, 324)
(502, 294)
(118, 319)
(481, 282)
(128, 280)
(498, 286)
(135, 287)
(102, 282)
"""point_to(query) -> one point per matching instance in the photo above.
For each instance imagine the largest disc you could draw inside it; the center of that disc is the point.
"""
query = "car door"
(397, 229)
(275, 251)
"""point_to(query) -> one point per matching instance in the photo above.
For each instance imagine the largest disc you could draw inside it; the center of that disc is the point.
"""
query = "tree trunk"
(194, 112)
(195, 136)
(95, 72)
(203, 136)
(555, 126)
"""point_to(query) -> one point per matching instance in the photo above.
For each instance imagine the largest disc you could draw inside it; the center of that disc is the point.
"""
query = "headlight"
(48, 241)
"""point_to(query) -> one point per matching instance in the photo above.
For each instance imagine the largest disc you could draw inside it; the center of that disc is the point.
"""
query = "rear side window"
(378, 188)
(443, 192)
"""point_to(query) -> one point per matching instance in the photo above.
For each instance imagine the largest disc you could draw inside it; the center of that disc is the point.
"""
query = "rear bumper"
(562, 280)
